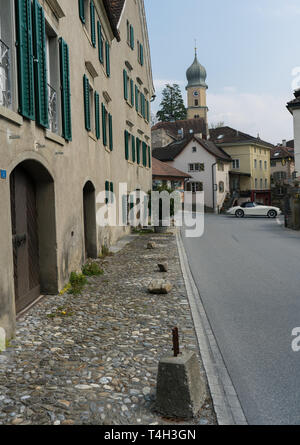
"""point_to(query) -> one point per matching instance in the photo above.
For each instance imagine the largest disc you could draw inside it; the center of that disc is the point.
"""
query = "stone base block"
(160, 287)
(2, 340)
(181, 390)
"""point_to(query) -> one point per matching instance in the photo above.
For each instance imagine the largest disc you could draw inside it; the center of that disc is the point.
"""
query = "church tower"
(196, 90)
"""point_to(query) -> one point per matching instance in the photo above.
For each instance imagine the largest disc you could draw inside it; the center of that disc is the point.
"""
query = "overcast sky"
(249, 49)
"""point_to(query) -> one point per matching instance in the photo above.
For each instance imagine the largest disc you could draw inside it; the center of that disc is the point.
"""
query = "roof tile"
(162, 169)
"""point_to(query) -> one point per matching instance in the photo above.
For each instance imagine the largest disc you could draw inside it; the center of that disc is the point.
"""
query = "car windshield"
(247, 205)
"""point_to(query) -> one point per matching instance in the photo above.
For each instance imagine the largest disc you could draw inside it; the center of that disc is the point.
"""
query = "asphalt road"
(248, 275)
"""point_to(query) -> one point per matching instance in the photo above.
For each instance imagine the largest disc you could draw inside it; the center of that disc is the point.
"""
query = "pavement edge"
(226, 403)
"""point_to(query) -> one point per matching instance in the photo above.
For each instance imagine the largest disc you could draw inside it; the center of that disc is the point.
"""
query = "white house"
(207, 165)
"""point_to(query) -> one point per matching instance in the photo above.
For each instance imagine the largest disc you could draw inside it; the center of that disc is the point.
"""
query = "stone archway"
(89, 220)
(33, 219)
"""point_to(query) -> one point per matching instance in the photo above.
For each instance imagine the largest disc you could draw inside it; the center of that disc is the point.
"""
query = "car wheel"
(272, 214)
(239, 213)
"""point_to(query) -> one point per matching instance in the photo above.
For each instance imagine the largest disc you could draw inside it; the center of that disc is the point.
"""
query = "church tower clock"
(196, 90)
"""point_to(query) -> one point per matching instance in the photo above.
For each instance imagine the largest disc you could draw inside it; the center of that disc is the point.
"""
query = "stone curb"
(226, 403)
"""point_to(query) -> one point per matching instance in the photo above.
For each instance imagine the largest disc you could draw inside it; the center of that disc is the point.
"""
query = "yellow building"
(251, 164)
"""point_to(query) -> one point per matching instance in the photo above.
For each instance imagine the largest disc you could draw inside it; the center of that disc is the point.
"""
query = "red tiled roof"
(196, 125)
(161, 169)
(283, 152)
(114, 10)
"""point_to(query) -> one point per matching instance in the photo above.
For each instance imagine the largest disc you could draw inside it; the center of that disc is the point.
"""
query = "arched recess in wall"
(89, 220)
(32, 196)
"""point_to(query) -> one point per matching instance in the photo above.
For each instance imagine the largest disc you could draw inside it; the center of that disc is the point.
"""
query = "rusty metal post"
(175, 335)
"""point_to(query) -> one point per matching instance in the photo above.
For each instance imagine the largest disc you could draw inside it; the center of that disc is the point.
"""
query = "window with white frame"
(194, 187)
(196, 167)
(236, 164)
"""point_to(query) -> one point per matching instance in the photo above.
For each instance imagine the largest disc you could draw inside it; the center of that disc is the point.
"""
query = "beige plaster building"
(75, 93)
(250, 167)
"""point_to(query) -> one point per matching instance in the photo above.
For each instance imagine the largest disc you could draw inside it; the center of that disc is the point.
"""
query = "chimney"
(284, 142)
(180, 134)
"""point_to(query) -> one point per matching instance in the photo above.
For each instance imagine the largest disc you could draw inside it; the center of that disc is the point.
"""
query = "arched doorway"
(89, 218)
(33, 232)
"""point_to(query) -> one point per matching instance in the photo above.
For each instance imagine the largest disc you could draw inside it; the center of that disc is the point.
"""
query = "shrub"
(104, 251)
(92, 269)
(77, 282)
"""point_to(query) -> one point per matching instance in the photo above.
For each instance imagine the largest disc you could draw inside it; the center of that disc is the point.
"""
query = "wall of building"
(288, 168)
(187, 156)
(246, 154)
(200, 109)
(222, 176)
(72, 164)
(161, 138)
(296, 118)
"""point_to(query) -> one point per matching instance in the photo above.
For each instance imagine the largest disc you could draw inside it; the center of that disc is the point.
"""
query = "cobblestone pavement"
(97, 364)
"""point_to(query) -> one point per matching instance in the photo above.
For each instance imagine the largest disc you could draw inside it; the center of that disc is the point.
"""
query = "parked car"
(254, 209)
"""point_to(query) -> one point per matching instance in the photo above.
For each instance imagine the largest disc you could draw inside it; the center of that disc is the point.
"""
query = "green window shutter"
(149, 156)
(143, 105)
(107, 58)
(142, 54)
(133, 148)
(100, 42)
(106, 192)
(65, 90)
(97, 115)
(125, 81)
(86, 97)
(93, 26)
(131, 37)
(40, 64)
(138, 151)
(81, 10)
(25, 59)
(126, 145)
(144, 154)
(104, 132)
(131, 92)
(147, 110)
(111, 189)
(136, 98)
(110, 128)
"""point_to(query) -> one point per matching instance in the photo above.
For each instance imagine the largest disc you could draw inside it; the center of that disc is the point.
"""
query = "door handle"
(19, 240)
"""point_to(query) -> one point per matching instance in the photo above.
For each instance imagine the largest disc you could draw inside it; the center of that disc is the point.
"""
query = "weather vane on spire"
(196, 47)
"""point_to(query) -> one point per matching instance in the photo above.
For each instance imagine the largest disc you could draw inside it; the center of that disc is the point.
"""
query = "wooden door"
(24, 238)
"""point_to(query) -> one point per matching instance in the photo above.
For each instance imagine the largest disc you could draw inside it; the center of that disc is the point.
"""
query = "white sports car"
(253, 209)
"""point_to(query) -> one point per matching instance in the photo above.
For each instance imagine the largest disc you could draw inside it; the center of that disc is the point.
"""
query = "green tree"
(214, 126)
(172, 106)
